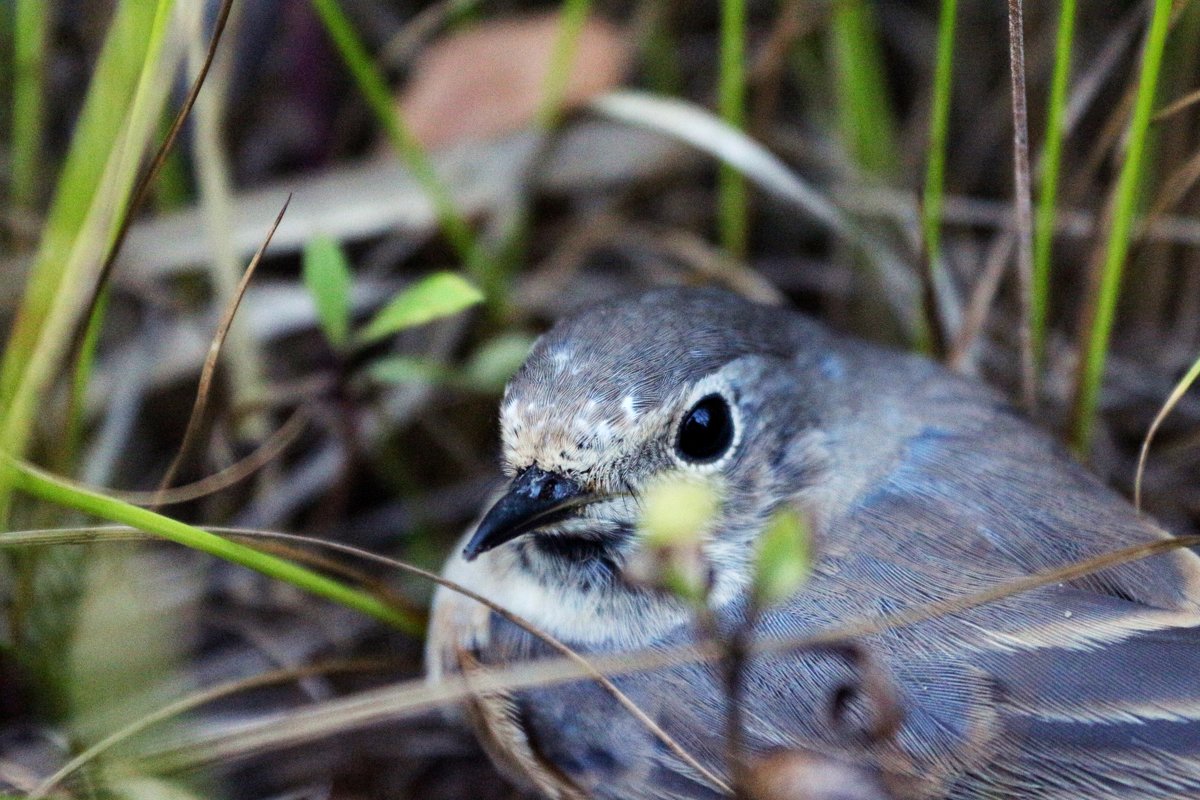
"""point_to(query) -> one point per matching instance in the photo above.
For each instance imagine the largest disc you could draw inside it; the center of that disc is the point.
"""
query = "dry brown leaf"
(490, 80)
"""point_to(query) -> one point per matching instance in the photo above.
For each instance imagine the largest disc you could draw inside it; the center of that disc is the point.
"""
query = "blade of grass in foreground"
(123, 105)
(562, 61)
(1100, 312)
(28, 49)
(932, 339)
(1043, 231)
(196, 748)
(48, 487)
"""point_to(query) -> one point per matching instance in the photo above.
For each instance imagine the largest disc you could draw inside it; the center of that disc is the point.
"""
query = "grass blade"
(97, 305)
(939, 127)
(1101, 309)
(375, 91)
(1048, 189)
(28, 49)
(190, 703)
(868, 125)
(123, 105)
(732, 199)
(56, 490)
(328, 280)
(1172, 400)
(214, 351)
(562, 61)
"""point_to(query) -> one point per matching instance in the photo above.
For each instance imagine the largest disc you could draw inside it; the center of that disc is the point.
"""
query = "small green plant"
(329, 280)
(327, 276)
(433, 297)
(677, 516)
(782, 562)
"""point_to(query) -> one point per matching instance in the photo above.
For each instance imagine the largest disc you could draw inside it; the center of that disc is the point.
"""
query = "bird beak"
(535, 499)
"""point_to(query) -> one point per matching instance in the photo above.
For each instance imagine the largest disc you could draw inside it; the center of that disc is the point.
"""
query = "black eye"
(706, 431)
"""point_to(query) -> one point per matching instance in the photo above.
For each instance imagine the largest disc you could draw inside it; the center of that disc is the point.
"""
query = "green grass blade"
(732, 198)
(562, 61)
(124, 100)
(939, 128)
(29, 47)
(660, 52)
(1124, 208)
(60, 492)
(1043, 237)
(868, 125)
(375, 91)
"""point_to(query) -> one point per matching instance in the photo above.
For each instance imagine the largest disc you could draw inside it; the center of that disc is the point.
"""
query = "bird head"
(677, 382)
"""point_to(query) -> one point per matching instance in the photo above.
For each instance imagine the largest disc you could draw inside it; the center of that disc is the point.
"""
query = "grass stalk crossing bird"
(919, 485)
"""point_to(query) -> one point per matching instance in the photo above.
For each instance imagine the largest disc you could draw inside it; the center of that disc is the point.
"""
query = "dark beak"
(536, 498)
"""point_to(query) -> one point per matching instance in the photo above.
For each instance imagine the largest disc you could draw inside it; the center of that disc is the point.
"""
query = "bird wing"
(979, 489)
(1089, 689)
(1114, 714)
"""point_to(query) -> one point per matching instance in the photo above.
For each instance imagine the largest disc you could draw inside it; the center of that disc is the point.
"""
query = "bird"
(919, 485)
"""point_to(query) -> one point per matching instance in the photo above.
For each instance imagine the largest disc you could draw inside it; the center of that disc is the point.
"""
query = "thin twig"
(1172, 400)
(268, 451)
(210, 360)
(417, 696)
(193, 701)
(527, 626)
(980, 302)
(1185, 102)
(26, 538)
(1024, 201)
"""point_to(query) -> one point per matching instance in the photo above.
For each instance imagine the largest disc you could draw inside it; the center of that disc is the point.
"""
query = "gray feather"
(923, 486)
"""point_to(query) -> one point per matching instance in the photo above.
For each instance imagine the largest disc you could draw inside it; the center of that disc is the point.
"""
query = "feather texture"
(923, 487)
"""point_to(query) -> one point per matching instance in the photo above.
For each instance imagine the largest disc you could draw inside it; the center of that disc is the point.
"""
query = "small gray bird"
(920, 486)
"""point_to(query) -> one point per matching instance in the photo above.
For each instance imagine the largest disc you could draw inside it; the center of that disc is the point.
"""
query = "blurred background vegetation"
(460, 174)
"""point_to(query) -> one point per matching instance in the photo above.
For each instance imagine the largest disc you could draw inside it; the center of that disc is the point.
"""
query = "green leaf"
(490, 367)
(433, 297)
(677, 514)
(406, 369)
(677, 511)
(327, 276)
(782, 565)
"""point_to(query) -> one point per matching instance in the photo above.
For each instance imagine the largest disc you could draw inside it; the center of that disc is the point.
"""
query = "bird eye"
(706, 431)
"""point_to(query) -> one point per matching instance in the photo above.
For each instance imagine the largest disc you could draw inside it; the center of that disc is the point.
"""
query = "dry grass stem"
(1022, 183)
(418, 696)
(210, 361)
